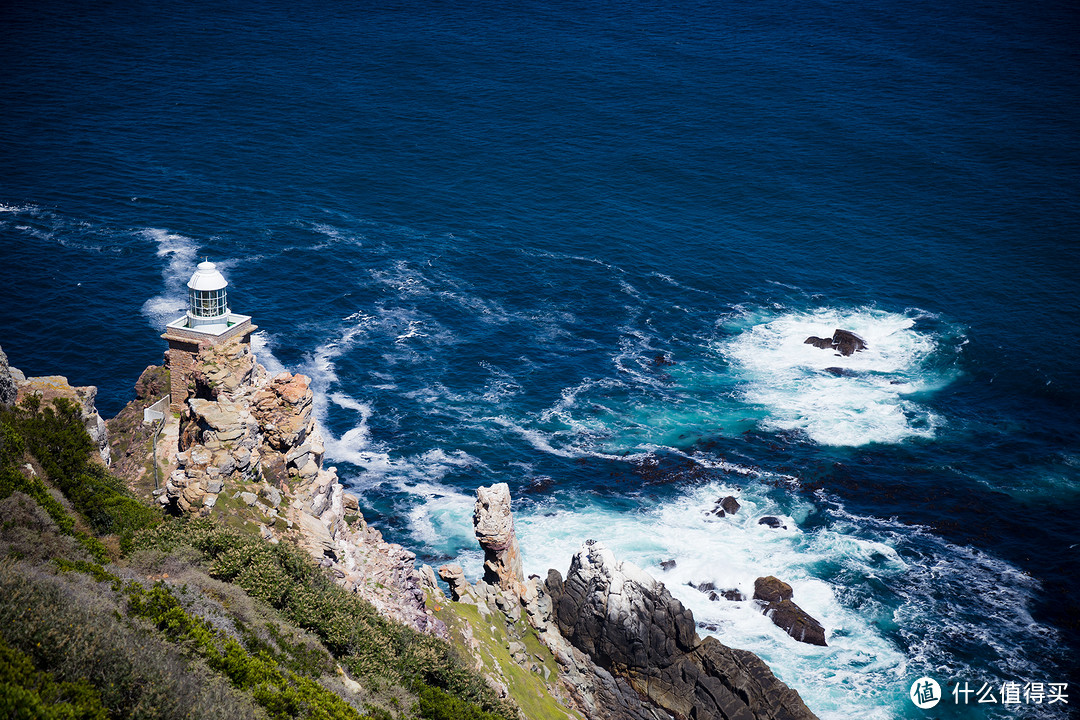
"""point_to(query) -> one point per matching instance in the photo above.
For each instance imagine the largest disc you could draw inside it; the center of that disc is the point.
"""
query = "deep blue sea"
(577, 248)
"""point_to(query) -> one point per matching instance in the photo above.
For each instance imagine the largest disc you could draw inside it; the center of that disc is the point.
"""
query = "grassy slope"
(532, 684)
(185, 619)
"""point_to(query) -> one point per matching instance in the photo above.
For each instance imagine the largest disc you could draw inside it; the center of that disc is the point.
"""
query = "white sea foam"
(854, 676)
(262, 348)
(20, 209)
(893, 599)
(180, 253)
(863, 398)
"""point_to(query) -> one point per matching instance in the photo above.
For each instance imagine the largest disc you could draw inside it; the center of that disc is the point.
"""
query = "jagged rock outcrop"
(774, 597)
(9, 391)
(153, 383)
(629, 624)
(626, 649)
(454, 576)
(584, 685)
(843, 341)
(252, 439)
(50, 387)
(725, 506)
(494, 526)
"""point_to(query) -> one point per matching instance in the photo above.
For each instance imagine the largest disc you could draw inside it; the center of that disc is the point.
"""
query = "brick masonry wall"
(181, 363)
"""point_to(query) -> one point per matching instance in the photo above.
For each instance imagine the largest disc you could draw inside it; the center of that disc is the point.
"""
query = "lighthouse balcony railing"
(234, 326)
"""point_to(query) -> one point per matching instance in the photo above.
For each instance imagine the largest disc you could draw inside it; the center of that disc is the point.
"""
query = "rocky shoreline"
(607, 642)
(626, 648)
(248, 440)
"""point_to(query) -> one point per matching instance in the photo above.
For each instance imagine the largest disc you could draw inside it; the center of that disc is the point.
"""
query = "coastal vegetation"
(113, 611)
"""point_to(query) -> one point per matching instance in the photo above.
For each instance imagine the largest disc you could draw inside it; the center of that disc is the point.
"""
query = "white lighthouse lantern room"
(208, 304)
(208, 321)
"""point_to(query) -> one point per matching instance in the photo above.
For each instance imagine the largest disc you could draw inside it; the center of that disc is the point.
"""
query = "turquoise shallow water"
(577, 250)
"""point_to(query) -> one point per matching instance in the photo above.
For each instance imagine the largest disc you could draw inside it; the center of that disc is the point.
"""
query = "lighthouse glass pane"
(207, 303)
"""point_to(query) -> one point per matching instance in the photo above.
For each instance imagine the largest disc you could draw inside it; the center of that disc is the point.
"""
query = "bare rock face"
(494, 526)
(631, 626)
(283, 409)
(152, 383)
(454, 576)
(843, 341)
(9, 392)
(50, 387)
(224, 368)
(252, 438)
(774, 597)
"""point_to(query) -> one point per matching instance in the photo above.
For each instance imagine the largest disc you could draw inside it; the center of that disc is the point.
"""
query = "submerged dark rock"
(667, 564)
(823, 343)
(774, 596)
(847, 342)
(774, 522)
(844, 342)
(724, 506)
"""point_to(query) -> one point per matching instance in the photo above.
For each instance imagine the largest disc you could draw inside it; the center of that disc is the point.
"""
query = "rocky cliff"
(626, 649)
(9, 391)
(629, 624)
(607, 643)
(250, 453)
(15, 387)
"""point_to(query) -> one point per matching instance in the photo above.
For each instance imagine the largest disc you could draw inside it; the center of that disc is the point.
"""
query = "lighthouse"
(208, 321)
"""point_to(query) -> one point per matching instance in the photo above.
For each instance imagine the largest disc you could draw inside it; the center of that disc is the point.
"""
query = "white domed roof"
(207, 277)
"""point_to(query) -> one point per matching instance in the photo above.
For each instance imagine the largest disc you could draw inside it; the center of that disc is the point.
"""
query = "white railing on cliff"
(157, 413)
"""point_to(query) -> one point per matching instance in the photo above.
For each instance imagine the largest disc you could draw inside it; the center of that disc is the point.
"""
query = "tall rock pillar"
(494, 526)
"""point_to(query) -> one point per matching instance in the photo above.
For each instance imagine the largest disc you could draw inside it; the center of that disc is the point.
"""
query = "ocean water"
(578, 249)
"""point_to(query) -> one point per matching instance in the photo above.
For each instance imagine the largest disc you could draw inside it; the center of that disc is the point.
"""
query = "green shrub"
(27, 693)
(372, 647)
(56, 437)
(282, 692)
(75, 629)
(437, 704)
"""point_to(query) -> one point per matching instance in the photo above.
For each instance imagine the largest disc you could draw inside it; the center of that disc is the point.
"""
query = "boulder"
(455, 578)
(847, 342)
(494, 527)
(730, 505)
(272, 494)
(774, 522)
(631, 626)
(774, 597)
(843, 341)
(823, 343)
(771, 589)
(216, 415)
(293, 389)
